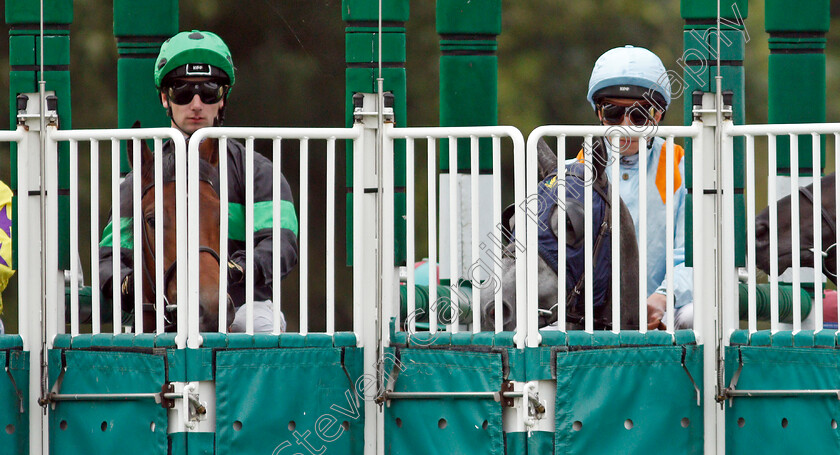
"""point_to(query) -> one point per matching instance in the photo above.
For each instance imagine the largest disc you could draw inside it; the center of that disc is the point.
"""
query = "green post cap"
(193, 47)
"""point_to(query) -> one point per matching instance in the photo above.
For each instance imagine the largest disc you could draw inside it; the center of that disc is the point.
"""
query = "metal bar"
(111, 396)
(224, 235)
(588, 247)
(750, 199)
(561, 233)
(436, 395)
(669, 235)
(642, 236)
(330, 243)
(303, 239)
(431, 171)
(782, 393)
(94, 234)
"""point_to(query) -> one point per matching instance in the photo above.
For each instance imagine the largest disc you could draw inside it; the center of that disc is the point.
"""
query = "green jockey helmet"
(194, 53)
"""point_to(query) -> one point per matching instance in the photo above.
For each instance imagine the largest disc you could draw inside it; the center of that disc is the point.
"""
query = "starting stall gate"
(416, 374)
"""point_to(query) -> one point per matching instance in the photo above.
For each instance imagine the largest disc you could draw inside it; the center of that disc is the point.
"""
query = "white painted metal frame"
(561, 132)
(276, 135)
(94, 137)
(772, 133)
(452, 134)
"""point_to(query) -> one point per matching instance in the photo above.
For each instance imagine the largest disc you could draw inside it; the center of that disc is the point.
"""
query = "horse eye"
(150, 221)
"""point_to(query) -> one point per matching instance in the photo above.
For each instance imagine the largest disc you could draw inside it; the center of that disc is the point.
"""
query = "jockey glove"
(236, 273)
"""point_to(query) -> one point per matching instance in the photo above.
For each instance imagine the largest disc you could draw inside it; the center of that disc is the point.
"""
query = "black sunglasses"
(182, 92)
(639, 114)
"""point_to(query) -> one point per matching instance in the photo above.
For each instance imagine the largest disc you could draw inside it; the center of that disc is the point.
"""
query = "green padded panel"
(267, 340)
(580, 338)
(540, 442)
(553, 338)
(782, 339)
(740, 337)
(538, 362)
(240, 341)
(292, 340)
(342, 339)
(516, 443)
(600, 392)
(659, 338)
(62, 341)
(631, 338)
(462, 426)
(319, 340)
(605, 338)
(102, 340)
(145, 340)
(82, 341)
(804, 339)
(14, 393)
(165, 340)
(275, 397)
(761, 338)
(783, 424)
(824, 338)
(10, 341)
(213, 340)
(462, 339)
(682, 337)
(108, 427)
(483, 338)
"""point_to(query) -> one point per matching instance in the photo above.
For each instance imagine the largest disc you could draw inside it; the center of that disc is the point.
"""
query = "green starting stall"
(484, 392)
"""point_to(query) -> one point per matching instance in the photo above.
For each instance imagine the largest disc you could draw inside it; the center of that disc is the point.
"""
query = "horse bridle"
(827, 221)
(170, 271)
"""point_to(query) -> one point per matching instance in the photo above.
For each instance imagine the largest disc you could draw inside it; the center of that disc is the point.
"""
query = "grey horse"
(547, 277)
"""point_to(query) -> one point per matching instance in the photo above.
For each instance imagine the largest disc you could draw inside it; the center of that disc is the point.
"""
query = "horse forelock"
(206, 172)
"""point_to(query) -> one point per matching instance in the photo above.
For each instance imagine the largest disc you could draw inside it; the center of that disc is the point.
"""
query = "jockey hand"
(127, 285)
(236, 273)
(656, 305)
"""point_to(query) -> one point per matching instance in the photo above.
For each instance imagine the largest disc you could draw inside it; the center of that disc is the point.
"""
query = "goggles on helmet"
(182, 92)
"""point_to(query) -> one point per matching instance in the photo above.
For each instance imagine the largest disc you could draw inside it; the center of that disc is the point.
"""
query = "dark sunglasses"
(182, 92)
(639, 114)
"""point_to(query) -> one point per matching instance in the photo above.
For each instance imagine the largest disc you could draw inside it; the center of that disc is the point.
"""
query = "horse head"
(207, 230)
(547, 275)
(805, 219)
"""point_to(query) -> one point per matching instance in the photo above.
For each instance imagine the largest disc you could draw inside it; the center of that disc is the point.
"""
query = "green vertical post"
(140, 28)
(796, 73)
(699, 64)
(468, 73)
(23, 17)
(362, 71)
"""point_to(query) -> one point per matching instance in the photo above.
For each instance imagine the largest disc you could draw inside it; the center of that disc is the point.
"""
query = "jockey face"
(195, 114)
(628, 145)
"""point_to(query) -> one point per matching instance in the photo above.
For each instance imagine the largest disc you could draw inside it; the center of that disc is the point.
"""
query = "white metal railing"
(463, 201)
(94, 138)
(776, 187)
(614, 133)
(277, 135)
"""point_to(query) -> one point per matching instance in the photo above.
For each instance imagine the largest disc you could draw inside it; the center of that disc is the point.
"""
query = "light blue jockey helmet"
(629, 72)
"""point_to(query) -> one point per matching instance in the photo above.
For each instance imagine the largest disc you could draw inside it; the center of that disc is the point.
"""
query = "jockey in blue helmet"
(630, 88)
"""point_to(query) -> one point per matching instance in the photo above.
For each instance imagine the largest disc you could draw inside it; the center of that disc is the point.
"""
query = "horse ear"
(145, 152)
(208, 150)
(546, 160)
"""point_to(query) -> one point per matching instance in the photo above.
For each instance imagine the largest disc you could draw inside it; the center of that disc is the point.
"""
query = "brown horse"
(207, 228)
(805, 219)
